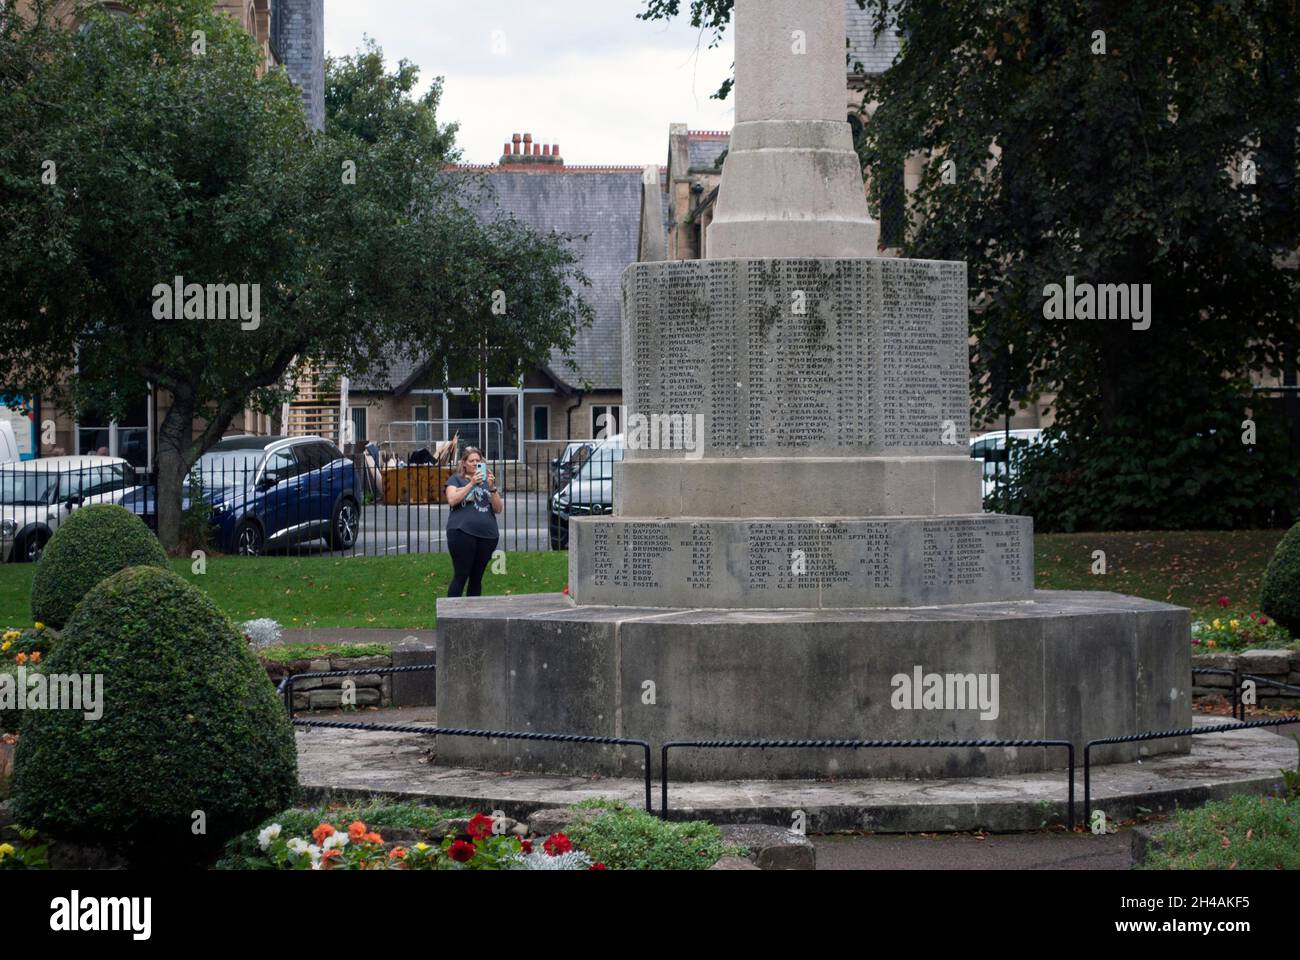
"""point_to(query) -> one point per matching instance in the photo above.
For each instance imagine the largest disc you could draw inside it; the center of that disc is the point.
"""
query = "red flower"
(556, 844)
(329, 856)
(599, 866)
(480, 827)
(461, 851)
(321, 832)
(356, 830)
(566, 589)
(1263, 621)
(1223, 601)
(526, 846)
(374, 838)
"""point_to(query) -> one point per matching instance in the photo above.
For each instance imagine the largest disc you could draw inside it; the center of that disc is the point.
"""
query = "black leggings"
(470, 556)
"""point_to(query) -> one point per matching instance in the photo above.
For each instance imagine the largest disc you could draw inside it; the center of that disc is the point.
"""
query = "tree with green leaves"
(149, 154)
(1148, 142)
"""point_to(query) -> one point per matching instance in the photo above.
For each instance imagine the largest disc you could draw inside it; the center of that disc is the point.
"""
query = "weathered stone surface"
(792, 182)
(769, 564)
(331, 699)
(772, 848)
(759, 487)
(417, 689)
(551, 820)
(804, 358)
(1146, 840)
(1266, 662)
(734, 863)
(1075, 666)
(361, 663)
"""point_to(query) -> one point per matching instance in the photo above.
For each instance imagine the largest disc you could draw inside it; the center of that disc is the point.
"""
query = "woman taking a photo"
(472, 532)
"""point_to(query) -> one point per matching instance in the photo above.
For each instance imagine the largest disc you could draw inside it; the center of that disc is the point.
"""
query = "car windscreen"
(23, 488)
(225, 470)
(601, 464)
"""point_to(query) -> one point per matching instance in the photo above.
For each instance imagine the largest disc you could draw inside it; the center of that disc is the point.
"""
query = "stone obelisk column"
(792, 182)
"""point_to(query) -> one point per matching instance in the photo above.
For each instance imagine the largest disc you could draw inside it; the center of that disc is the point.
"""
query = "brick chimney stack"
(523, 150)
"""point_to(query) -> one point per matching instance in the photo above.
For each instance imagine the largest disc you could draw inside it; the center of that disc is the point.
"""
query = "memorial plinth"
(798, 549)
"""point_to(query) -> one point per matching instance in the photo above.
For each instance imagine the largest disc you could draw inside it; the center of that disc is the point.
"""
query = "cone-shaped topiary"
(1280, 596)
(191, 729)
(91, 545)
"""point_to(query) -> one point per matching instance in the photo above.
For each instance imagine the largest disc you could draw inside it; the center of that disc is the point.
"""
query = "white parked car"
(37, 495)
(991, 447)
(8, 443)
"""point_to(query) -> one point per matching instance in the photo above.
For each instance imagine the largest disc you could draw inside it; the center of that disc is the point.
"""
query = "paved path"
(961, 851)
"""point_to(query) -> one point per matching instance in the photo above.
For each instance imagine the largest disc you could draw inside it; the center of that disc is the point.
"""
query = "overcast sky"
(586, 74)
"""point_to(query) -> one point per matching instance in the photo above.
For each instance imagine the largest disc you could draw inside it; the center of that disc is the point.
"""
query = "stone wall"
(326, 693)
(1280, 665)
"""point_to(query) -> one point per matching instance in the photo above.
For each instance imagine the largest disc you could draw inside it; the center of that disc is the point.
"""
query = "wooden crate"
(423, 483)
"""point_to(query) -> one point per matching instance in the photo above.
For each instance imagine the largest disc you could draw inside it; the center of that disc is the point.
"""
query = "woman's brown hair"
(464, 459)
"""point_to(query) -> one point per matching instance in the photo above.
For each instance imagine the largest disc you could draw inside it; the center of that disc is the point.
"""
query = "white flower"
(267, 835)
(539, 860)
(297, 845)
(336, 839)
(314, 851)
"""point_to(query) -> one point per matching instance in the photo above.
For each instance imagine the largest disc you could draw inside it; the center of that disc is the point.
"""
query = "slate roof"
(876, 56)
(704, 150)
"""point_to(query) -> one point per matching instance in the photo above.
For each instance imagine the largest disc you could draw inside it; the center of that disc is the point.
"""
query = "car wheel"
(248, 539)
(345, 525)
(31, 547)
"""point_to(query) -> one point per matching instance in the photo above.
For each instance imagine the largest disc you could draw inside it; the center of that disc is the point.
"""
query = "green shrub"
(91, 545)
(190, 723)
(1241, 833)
(1280, 595)
(628, 838)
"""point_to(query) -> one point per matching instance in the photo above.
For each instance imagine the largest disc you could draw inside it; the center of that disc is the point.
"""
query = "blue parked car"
(271, 492)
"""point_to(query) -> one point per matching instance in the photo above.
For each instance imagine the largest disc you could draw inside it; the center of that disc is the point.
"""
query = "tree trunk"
(176, 454)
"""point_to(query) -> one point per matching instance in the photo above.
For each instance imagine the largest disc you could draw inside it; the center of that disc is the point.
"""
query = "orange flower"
(36, 656)
(374, 838)
(329, 856)
(321, 832)
(356, 830)
(20, 658)
(397, 853)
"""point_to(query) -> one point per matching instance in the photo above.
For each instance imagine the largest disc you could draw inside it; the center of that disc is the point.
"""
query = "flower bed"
(486, 843)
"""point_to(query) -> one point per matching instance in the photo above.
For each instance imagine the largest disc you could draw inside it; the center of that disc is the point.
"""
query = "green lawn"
(323, 592)
(1191, 569)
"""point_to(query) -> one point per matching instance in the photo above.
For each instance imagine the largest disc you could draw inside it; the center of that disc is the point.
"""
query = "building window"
(606, 421)
(541, 422)
(360, 425)
(421, 416)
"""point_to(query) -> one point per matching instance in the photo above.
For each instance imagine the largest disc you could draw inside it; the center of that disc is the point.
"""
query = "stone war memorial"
(818, 565)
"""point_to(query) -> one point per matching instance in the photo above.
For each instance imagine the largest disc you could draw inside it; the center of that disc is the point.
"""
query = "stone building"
(615, 216)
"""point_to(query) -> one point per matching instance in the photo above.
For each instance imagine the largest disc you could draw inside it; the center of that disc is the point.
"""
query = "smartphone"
(482, 471)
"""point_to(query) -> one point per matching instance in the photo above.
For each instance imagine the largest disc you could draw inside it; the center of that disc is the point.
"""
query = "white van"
(8, 443)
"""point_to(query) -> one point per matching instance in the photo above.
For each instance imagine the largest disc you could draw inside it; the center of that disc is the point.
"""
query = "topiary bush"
(1280, 596)
(190, 724)
(92, 544)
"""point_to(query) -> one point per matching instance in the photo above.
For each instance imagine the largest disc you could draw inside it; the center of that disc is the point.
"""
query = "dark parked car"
(590, 492)
(271, 492)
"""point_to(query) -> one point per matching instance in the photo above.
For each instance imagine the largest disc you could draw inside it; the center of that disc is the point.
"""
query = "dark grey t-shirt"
(474, 514)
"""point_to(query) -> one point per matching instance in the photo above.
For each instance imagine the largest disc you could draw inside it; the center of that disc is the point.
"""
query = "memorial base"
(1064, 665)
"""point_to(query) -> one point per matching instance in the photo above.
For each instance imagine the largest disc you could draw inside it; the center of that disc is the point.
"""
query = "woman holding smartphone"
(472, 531)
